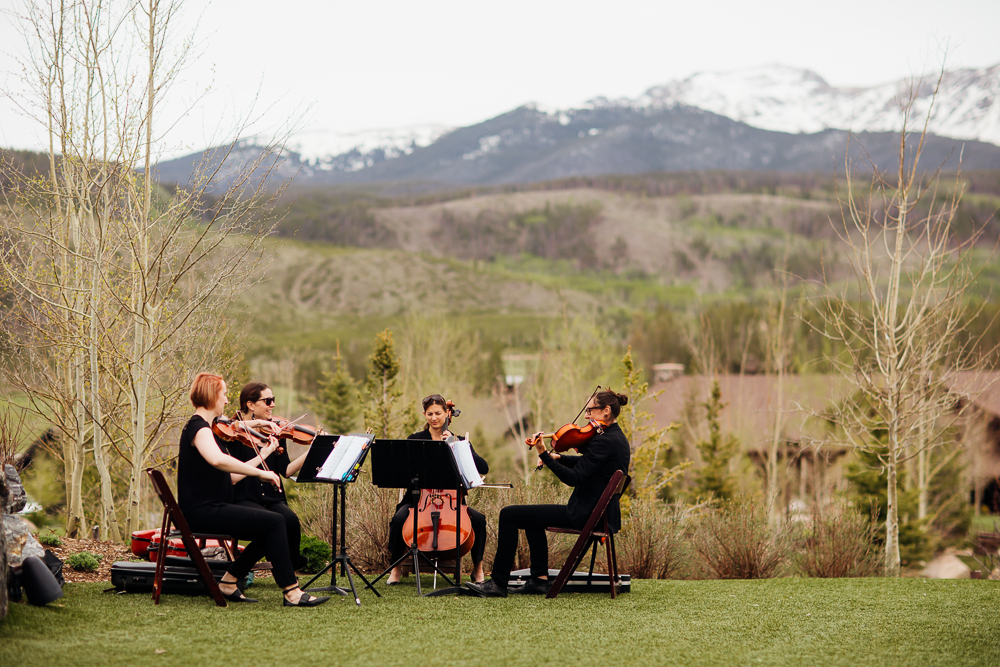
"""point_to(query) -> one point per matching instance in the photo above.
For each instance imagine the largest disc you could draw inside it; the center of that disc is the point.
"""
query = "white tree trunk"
(892, 559)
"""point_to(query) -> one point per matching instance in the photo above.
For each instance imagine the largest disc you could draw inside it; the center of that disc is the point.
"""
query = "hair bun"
(622, 399)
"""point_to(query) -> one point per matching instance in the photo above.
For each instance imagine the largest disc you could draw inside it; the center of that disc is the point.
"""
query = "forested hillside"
(657, 260)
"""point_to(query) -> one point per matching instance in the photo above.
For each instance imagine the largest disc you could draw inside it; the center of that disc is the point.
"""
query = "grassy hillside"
(507, 262)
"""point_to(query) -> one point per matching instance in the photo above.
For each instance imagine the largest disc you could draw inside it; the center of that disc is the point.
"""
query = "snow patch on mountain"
(361, 148)
(788, 99)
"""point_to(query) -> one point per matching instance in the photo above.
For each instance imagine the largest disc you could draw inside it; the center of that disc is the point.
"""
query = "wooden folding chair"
(172, 515)
(595, 531)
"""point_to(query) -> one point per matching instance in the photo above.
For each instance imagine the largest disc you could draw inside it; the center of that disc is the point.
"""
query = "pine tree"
(380, 397)
(713, 478)
(335, 404)
(651, 464)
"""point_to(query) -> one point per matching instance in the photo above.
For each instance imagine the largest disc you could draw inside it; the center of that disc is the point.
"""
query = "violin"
(570, 436)
(237, 431)
(302, 435)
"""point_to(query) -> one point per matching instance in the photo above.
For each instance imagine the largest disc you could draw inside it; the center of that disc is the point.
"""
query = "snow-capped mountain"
(786, 99)
(775, 118)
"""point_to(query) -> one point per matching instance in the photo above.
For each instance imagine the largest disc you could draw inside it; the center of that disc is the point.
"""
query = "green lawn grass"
(771, 622)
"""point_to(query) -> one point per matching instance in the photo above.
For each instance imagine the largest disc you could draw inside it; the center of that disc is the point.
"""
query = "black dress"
(589, 474)
(396, 543)
(205, 495)
(252, 492)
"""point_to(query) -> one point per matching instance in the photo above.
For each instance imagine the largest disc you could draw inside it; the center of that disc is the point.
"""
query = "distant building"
(979, 400)
(808, 472)
(751, 408)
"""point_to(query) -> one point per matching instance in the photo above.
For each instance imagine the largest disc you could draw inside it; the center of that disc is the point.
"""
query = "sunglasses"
(433, 398)
(268, 401)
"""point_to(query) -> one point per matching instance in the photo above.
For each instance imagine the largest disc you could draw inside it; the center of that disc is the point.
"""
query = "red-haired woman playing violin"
(588, 473)
(205, 476)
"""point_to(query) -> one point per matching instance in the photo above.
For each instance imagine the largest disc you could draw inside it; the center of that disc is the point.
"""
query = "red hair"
(205, 390)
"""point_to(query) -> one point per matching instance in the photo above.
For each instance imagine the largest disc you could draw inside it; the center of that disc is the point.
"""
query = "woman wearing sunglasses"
(438, 412)
(588, 473)
(205, 476)
(256, 407)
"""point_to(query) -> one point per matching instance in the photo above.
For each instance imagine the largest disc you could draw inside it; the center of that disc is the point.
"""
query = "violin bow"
(540, 465)
(585, 404)
(253, 443)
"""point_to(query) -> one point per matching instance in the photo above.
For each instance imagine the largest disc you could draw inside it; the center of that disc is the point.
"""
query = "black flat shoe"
(533, 587)
(306, 601)
(392, 583)
(487, 589)
(237, 596)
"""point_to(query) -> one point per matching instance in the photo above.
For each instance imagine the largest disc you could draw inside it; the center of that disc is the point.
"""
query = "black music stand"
(420, 464)
(319, 451)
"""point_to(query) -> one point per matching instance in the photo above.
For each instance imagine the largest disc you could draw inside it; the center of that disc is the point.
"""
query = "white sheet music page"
(462, 450)
(351, 446)
(329, 468)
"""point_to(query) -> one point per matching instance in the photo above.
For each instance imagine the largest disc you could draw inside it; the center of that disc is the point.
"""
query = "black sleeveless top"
(198, 483)
(252, 488)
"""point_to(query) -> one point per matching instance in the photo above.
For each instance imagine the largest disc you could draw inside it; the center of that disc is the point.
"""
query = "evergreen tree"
(919, 538)
(713, 478)
(653, 467)
(335, 403)
(380, 396)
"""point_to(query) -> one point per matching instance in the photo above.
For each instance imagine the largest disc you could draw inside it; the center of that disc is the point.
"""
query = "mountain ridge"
(668, 128)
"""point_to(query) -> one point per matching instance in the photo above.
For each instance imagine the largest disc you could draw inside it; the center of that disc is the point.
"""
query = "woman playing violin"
(438, 412)
(205, 477)
(256, 407)
(588, 473)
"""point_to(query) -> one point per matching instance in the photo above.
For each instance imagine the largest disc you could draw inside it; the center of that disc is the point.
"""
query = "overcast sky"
(374, 64)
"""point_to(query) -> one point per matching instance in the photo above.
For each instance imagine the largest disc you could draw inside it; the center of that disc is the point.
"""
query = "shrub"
(49, 540)
(650, 544)
(84, 561)
(369, 509)
(735, 542)
(317, 553)
(542, 490)
(838, 542)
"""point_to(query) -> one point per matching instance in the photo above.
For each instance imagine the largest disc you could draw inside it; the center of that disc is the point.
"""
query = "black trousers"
(533, 520)
(397, 545)
(265, 530)
(293, 527)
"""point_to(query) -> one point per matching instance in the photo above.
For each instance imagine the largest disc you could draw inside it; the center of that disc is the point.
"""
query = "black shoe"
(236, 596)
(487, 589)
(533, 587)
(306, 601)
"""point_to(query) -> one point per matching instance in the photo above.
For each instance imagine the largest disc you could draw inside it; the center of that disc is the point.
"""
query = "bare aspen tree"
(120, 288)
(779, 348)
(897, 320)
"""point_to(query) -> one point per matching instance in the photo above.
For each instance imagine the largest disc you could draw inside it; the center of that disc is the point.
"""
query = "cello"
(439, 512)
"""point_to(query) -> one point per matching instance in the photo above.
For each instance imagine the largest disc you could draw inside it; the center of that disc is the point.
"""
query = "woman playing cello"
(205, 474)
(588, 473)
(438, 413)
(256, 407)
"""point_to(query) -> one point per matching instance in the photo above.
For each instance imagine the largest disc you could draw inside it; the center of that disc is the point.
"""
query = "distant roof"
(751, 403)
(982, 388)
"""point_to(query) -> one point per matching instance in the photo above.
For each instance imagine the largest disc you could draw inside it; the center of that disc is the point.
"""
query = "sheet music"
(345, 454)
(462, 451)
